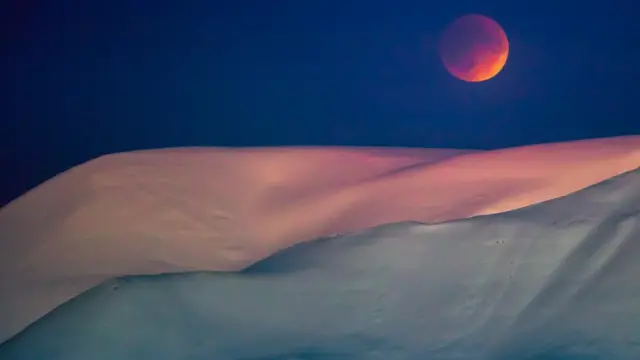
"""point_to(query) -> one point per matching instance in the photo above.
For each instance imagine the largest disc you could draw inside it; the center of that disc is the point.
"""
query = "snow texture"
(554, 280)
(223, 209)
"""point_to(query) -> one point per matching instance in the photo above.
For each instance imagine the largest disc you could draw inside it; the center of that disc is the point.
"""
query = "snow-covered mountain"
(478, 274)
(556, 280)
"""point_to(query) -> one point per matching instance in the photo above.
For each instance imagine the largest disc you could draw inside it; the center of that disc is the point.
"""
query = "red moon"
(474, 48)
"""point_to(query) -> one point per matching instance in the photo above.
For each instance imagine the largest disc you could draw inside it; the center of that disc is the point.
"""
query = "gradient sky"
(86, 78)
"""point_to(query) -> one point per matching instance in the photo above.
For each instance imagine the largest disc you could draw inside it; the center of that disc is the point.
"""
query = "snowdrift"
(217, 209)
(556, 280)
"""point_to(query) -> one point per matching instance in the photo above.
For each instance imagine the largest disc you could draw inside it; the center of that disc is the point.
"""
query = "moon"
(474, 48)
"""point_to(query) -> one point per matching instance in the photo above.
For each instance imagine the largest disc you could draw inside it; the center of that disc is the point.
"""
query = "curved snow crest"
(553, 280)
(176, 210)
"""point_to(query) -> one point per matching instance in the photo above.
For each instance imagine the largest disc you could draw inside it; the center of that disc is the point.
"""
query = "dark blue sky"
(87, 78)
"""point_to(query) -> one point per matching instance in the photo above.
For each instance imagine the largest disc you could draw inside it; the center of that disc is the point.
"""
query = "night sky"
(89, 77)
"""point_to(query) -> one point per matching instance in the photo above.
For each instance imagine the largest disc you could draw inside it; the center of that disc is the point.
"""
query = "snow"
(177, 210)
(555, 280)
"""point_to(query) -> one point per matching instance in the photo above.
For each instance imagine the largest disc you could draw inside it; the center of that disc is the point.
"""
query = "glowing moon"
(474, 48)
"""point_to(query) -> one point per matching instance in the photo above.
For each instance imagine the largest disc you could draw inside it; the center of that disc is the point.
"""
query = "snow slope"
(556, 280)
(176, 210)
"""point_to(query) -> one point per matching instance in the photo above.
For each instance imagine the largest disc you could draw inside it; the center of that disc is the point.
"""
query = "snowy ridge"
(178, 210)
(555, 280)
